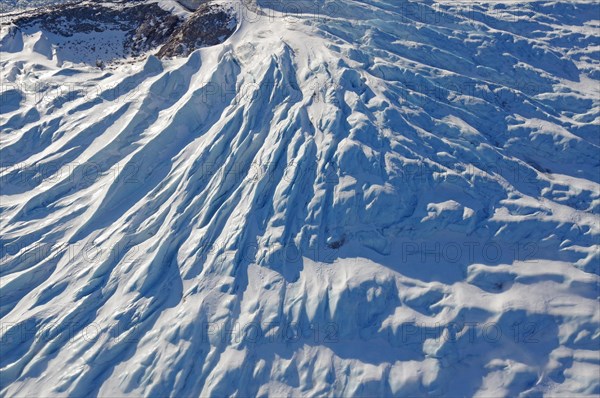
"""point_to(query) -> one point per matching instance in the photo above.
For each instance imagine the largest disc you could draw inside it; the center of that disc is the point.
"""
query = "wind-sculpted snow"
(345, 198)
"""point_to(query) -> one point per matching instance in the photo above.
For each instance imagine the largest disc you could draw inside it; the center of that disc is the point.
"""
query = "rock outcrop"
(209, 25)
(133, 28)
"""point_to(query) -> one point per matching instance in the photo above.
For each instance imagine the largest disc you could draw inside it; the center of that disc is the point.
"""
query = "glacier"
(343, 198)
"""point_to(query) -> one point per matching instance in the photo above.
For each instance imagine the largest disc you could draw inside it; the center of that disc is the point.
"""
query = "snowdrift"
(360, 198)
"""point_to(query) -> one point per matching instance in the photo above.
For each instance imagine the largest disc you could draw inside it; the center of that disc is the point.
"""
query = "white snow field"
(374, 198)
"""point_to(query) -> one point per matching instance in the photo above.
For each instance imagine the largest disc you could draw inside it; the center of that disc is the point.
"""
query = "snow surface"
(346, 198)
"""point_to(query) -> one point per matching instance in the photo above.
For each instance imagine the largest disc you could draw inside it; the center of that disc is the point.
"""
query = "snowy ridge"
(373, 198)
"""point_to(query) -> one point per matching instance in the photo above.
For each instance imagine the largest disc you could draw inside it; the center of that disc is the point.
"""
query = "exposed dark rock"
(209, 25)
(87, 17)
(152, 33)
(145, 25)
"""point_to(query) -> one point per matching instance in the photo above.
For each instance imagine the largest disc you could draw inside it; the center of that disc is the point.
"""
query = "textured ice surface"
(346, 198)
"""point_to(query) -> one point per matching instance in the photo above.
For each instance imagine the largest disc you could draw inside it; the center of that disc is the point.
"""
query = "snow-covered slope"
(345, 198)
